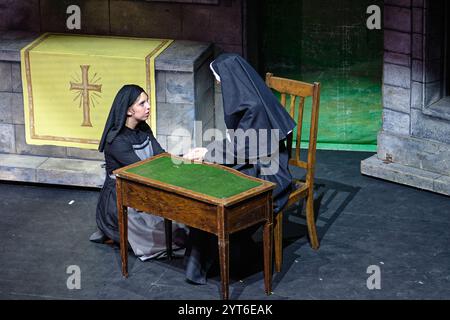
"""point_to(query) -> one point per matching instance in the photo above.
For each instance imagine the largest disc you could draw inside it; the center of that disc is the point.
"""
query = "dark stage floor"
(361, 222)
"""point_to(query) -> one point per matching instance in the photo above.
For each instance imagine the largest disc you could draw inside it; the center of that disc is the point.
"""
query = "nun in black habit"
(248, 104)
(127, 139)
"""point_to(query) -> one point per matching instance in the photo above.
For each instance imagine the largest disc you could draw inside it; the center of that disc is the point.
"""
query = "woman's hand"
(196, 154)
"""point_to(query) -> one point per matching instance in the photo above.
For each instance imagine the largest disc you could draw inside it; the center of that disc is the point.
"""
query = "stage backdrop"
(329, 42)
(70, 81)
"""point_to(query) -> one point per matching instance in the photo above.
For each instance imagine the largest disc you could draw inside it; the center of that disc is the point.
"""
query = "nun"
(257, 129)
(127, 139)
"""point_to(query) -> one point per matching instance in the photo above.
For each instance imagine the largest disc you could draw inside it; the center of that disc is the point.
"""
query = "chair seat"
(301, 191)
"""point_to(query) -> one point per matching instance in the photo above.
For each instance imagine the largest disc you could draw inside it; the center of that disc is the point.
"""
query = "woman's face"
(140, 109)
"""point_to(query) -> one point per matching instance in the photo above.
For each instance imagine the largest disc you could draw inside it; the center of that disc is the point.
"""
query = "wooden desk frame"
(221, 217)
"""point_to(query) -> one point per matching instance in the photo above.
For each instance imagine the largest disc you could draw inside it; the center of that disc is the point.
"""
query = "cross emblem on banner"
(84, 90)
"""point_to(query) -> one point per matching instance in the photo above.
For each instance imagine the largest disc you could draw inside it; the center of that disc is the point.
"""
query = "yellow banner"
(70, 81)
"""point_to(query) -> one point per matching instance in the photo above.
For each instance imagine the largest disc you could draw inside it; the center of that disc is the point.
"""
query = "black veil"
(126, 96)
(249, 104)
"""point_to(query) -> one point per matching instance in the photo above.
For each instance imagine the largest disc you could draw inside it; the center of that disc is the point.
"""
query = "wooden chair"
(304, 189)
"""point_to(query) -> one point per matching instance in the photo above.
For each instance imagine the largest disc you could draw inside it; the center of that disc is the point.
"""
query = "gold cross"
(85, 87)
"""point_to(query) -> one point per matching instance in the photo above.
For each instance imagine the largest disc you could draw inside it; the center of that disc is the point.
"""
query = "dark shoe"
(99, 237)
(180, 238)
(194, 283)
(108, 241)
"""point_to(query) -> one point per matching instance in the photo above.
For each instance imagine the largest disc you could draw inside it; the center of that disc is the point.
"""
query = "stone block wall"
(216, 21)
(185, 95)
(397, 67)
(11, 114)
(416, 111)
(413, 70)
(20, 15)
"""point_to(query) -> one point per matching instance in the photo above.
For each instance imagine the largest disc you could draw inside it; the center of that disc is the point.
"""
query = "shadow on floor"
(330, 200)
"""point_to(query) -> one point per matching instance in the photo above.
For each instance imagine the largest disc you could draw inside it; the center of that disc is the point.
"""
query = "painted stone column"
(414, 143)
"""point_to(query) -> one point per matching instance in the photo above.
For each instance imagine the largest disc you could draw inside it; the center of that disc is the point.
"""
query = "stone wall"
(413, 77)
(217, 21)
(185, 94)
(416, 115)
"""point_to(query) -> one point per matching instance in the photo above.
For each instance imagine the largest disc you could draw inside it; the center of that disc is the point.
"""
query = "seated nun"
(257, 129)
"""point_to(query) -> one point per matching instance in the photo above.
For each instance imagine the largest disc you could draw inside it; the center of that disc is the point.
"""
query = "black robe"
(129, 146)
(124, 146)
(248, 104)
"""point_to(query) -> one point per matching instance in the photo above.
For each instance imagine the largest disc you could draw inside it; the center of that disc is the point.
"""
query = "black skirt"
(106, 215)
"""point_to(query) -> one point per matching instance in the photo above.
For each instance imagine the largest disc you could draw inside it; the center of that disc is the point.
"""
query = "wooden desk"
(208, 197)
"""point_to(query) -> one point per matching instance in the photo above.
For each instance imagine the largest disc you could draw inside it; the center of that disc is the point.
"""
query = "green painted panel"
(211, 181)
(328, 42)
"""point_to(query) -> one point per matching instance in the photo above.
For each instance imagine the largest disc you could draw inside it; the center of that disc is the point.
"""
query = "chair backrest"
(299, 90)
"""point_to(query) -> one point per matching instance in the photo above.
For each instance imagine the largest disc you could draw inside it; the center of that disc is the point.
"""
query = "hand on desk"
(196, 154)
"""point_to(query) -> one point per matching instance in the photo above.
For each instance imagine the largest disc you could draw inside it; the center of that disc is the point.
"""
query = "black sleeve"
(241, 151)
(122, 152)
(157, 149)
(219, 152)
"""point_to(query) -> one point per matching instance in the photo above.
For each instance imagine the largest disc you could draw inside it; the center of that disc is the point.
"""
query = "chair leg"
(278, 241)
(310, 221)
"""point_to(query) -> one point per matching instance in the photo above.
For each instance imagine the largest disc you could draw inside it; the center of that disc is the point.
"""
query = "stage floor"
(362, 222)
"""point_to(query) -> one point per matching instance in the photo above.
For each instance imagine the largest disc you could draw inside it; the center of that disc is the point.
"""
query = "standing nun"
(248, 105)
(127, 139)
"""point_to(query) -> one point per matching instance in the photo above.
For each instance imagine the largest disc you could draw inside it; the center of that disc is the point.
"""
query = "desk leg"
(267, 240)
(223, 251)
(123, 228)
(168, 230)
